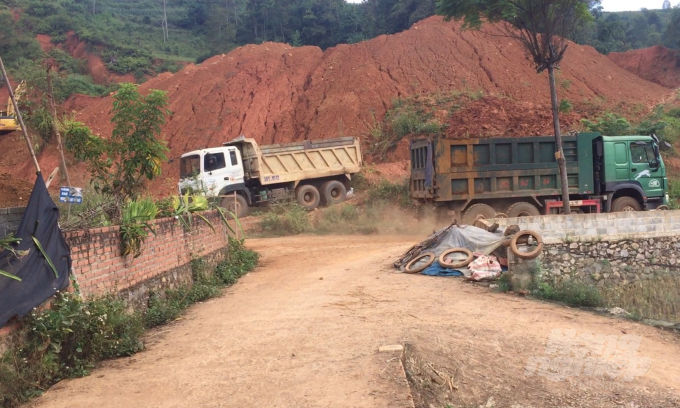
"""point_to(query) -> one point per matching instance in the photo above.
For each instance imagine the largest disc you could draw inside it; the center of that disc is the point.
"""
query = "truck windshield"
(189, 166)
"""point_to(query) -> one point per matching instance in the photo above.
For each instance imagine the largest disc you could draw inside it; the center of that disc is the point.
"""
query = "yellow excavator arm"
(18, 93)
(8, 122)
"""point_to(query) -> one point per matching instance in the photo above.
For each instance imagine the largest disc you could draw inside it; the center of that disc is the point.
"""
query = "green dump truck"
(517, 177)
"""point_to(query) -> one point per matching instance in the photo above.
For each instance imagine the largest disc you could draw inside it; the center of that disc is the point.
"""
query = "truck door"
(215, 171)
(644, 168)
(235, 165)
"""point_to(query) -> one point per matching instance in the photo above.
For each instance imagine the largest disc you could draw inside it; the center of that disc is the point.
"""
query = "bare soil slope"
(656, 64)
(303, 330)
(276, 93)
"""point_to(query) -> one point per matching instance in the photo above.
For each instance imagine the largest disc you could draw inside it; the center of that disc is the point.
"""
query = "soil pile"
(14, 192)
(656, 64)
(276, 93)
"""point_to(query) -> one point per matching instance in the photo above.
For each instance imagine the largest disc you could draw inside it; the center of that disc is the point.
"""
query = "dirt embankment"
(276, 93)
(656, 64)
(78, 49)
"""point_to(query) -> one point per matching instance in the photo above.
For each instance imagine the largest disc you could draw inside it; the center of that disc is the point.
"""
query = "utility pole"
(21, 120)
(165, 22)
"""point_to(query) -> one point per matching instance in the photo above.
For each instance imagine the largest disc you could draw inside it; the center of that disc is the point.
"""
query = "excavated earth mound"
(276, 93)
(656, 64)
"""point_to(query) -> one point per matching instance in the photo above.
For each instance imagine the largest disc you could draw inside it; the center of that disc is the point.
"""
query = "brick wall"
(166, 256)
(10, 219)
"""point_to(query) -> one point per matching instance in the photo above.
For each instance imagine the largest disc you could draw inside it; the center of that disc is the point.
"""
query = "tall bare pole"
(21, 120)
(165, 22)
(55, 127)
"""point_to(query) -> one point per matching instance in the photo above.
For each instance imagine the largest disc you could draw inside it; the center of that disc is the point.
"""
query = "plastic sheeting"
(39, 282)
(469, 237)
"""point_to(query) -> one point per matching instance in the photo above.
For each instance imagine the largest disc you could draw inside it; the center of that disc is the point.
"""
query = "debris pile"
(480, 254)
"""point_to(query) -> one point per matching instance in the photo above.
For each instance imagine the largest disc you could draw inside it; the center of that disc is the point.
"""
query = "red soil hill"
(656, 64)
(276, 93)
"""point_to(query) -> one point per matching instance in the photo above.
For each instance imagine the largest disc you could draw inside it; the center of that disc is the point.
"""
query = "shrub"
(565, 106)
(571, 293)
(64, 342)
(286, 219)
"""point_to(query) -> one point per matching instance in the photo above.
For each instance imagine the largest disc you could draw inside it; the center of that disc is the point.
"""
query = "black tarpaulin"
(38, 281)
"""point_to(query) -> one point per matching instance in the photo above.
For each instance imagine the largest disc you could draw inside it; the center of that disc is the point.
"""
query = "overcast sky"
(615, 5)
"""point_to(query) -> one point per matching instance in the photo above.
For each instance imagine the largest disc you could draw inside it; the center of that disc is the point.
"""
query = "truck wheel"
(522, 209)
(238, 206)
(334, 192)
(478, 211)
(308, 197)
(623, 204)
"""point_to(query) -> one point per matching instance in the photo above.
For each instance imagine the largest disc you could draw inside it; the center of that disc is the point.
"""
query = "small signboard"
(72, 195)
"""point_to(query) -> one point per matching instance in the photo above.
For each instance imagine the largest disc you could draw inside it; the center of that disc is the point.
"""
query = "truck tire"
(623, 204)
(478, 211)
(238, 206)
(308, 197)
(409, 268)
(334, 192)
(522, 209)
(456, 264)
(520, 236)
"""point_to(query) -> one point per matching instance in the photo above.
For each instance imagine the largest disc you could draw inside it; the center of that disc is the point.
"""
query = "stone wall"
(10, 219)
(600, 227)
(610, 263)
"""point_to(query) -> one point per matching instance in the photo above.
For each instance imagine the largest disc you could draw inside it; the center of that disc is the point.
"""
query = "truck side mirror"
(654, 164)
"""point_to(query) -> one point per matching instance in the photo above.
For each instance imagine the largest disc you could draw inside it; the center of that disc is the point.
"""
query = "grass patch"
(385, 203)
(286, 219)
(69, 338)
(570, 293)
(657, 298)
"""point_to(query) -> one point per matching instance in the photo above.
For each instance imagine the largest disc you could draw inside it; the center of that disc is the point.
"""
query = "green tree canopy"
(120, 164)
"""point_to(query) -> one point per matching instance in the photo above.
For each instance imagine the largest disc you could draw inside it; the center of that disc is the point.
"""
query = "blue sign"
(72, 195)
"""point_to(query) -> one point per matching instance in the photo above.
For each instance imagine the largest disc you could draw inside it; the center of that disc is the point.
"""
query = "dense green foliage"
(617, 32)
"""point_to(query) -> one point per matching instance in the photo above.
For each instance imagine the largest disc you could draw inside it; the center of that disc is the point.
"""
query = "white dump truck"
(242, 174)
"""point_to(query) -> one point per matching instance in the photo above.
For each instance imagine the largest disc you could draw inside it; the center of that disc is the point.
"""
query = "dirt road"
(303, 330)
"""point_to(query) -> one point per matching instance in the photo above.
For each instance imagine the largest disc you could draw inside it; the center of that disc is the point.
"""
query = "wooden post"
(21, 120)
(55, 130)
(235, 212)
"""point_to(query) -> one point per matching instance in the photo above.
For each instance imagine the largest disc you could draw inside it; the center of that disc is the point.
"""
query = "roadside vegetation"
(71, 337)
(657, 298)
(380, 207)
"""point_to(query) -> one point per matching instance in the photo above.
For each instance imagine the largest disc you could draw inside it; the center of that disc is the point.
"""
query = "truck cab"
(214, 172)
(631, 173)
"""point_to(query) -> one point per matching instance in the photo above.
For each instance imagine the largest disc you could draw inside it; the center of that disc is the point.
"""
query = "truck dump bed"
(466, 169)
(298, 161)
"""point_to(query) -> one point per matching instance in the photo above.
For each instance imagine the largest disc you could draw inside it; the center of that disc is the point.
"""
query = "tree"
(666, 4)
(120, 164)
(542, 27)
(671, 37)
